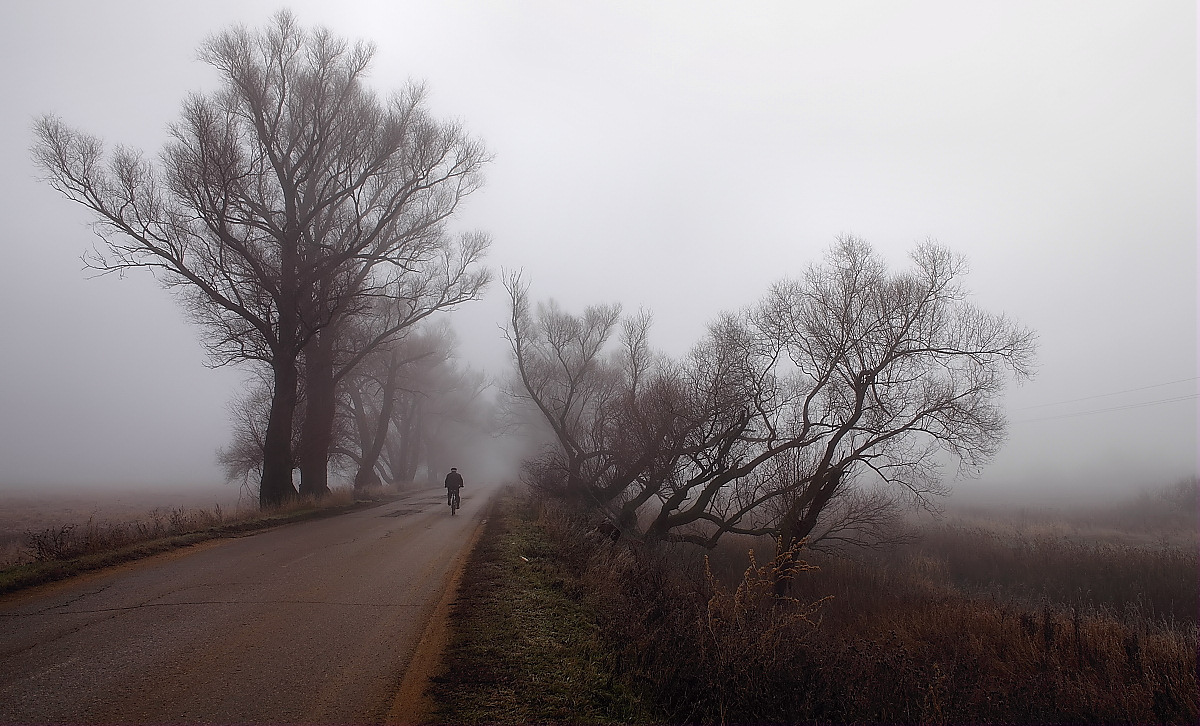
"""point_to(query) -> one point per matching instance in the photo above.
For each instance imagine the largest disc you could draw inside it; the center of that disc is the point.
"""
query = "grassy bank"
(57, 553)
(557, 624)
(525, 646)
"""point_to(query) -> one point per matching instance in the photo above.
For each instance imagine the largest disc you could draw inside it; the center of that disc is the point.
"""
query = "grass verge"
(525, 645)
(556, 624)
(50, 569)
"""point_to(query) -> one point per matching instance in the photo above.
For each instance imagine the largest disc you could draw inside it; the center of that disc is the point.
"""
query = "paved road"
(311, 622)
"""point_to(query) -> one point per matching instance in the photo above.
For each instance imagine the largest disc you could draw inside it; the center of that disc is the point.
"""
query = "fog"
(677, 157)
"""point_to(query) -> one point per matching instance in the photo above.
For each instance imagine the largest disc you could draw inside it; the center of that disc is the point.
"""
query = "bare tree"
(890, 371)
(376, 395)
(437, 276)
(453, 418)
(623, 419)
(563, 371)
(285, 201)
(782, 416)
(410, 406)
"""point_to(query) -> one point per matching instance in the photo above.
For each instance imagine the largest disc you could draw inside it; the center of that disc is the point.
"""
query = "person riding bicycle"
(454, 482)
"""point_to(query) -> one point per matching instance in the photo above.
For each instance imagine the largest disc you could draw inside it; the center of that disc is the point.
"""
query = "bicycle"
(455, 503)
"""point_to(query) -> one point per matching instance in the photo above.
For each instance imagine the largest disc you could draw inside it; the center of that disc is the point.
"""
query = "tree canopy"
(286, 203)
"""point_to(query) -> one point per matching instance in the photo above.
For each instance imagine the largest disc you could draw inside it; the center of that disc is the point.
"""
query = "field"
(990, 615)
(31, 511)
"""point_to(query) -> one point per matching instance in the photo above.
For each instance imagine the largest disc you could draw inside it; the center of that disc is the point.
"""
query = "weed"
(52, 543)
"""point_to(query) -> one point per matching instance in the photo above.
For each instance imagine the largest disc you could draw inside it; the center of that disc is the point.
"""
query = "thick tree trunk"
(276, 486)
(358, 412)
(390, 457)
(316, 436)
(797, 524)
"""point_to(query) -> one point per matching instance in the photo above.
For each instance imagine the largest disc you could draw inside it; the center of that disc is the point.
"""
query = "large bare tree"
(564, 372)
(286, 201)
(838, 394)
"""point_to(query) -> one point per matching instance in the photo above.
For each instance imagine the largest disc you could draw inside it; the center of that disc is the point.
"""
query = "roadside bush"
(52, 543)
(69, 541)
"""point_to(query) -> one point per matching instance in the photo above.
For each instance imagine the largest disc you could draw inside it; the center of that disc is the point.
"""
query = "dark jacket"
(454, 480)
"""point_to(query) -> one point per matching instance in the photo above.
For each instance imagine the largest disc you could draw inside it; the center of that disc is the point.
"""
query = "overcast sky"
(677, 156)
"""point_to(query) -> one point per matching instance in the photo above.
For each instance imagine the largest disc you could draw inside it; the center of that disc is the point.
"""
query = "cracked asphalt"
(308, 623)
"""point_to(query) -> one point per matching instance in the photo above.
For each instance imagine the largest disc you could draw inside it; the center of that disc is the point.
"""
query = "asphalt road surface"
(312, 622)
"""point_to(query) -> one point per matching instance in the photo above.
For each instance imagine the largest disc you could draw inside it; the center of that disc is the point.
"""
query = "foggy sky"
(677, 156)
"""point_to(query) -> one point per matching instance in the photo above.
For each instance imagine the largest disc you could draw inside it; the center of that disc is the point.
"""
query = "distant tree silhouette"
(402, 405)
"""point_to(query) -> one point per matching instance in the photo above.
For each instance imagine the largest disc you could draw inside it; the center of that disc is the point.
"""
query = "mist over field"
(698, 362)
(678, 158)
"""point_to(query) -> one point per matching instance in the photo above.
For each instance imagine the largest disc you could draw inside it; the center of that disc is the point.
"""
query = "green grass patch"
(524, 645)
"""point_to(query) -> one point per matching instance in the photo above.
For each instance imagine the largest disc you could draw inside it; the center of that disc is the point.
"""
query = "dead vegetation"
(45, 554)
(67, 541)
(962, 626)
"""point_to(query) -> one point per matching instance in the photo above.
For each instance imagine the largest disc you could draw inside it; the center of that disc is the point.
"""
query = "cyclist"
(454, 482)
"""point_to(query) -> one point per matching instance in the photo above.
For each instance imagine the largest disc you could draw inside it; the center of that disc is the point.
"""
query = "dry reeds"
(902, 638)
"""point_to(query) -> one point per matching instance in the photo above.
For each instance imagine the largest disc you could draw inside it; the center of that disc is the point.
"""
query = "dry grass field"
(31, 511)
(1005, 615)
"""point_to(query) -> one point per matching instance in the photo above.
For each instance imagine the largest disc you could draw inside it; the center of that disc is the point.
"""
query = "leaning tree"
(850, 376)
(285, 202)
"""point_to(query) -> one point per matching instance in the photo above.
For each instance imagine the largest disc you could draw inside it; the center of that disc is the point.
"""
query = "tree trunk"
(798, 523)
(410, 442)
(276, 486)
(366, 475)
(389, 459)
(316, 436)
(360, 416)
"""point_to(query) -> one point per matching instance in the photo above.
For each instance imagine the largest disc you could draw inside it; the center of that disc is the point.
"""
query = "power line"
(1126, 407)
(1106, 395)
